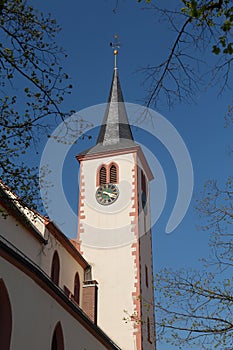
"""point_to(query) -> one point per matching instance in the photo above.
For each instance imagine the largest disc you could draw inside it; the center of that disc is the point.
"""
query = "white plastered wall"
(68, 265)
(35, 314)
(106, 240)
(20, 237)
(42, 254)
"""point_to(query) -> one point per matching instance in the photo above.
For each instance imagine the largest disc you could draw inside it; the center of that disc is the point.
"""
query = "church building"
(95, 291)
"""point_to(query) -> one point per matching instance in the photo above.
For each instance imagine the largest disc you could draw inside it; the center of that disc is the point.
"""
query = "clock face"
(107, 194)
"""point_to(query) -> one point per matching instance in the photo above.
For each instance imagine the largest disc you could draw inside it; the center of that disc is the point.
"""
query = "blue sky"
(87, 29)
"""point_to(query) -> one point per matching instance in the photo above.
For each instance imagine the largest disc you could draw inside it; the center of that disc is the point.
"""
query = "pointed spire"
(115, 132)
(115, 127)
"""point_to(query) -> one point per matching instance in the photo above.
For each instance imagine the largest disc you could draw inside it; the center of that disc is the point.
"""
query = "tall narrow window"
(54, 342)
(144, 192)
(102, 176)
(77, 288)
(146, 275)
(57, 340)
(55, 269)
(113, 174)
(143, 182)
(148, 330)
(5, 318)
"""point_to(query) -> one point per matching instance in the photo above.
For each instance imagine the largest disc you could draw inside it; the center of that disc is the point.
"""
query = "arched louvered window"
(107, 174)
(55, 269)
(5, 318)
(77, 288)
(113, 174)
(57, 340)
(102, 176)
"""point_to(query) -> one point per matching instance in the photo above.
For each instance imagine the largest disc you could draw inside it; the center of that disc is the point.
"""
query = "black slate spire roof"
(115, 132)
(115, 126)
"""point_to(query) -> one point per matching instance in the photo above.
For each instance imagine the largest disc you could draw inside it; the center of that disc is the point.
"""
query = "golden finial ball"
(115, 52)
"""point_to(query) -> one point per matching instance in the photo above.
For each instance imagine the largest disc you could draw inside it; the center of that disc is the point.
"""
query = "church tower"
(114, 228)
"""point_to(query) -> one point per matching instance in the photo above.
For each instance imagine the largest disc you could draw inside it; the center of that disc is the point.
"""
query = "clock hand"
(111, 195)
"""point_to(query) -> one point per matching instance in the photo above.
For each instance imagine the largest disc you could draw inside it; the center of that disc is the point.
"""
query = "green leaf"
(216, 50)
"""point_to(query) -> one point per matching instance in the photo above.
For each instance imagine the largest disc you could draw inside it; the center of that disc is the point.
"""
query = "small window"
(144, 192)
(5, 318)
(113, 174)
(143, 182)
(55, 269)
(77, 288)
(54, 342)
(148, 330)
(102, 176)
(146, 275)
(57, 340)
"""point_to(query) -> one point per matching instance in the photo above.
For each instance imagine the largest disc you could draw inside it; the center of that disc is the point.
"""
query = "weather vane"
(115, 45)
